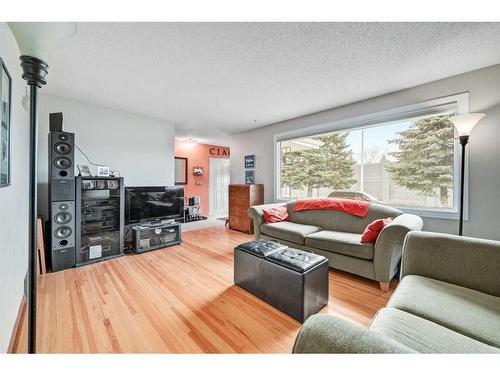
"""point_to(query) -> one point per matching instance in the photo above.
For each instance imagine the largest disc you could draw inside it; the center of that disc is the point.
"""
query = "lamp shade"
(36, 39)
(465, 123)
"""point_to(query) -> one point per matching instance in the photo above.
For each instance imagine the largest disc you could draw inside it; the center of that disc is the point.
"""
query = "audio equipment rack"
(100, 219)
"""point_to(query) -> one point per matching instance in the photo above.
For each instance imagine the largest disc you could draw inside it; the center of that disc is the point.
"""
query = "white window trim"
(459, 101)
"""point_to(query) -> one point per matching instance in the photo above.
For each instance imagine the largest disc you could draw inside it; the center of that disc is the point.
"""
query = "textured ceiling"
(216, 78)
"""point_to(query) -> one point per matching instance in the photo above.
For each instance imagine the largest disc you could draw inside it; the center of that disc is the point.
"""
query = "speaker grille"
(63, 224)
(61, 154)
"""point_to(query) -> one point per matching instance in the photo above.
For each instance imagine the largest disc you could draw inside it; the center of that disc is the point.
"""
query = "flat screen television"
(153, 203)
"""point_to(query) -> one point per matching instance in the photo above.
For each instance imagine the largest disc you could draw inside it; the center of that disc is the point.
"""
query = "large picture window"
(409, 162)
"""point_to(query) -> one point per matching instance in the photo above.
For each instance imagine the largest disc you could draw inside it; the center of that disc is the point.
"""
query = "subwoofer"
(62, 199)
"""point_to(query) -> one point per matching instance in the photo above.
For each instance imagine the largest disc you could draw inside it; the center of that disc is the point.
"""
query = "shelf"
(101, 220)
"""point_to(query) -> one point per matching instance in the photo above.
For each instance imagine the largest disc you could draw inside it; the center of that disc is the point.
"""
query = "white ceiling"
(218, 78)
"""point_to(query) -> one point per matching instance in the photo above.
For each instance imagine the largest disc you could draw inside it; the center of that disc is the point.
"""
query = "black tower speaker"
(62, 199)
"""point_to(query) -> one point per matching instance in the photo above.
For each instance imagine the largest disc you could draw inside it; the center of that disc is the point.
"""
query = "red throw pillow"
(275, 215)
(373, 229)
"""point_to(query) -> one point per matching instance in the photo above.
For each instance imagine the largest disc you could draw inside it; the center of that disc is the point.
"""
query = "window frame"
(458, 102)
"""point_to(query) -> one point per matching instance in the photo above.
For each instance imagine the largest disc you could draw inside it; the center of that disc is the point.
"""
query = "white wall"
(484, 147)
(14, 199)
(141, 148)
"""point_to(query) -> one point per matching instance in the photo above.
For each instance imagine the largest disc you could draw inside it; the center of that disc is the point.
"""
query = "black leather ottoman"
(295, 282)
(248, 259)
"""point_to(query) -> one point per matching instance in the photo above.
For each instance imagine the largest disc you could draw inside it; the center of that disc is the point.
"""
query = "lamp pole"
(464, 124)
(463, 141)
(35, 41)
(34, 72)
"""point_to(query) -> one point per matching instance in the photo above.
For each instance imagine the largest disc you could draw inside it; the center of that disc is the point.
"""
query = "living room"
(197, 186)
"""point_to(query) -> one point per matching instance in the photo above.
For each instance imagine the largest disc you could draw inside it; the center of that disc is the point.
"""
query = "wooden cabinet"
(241, 197)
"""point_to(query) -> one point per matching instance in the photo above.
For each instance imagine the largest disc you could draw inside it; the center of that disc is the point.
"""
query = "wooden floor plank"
(19, 338)
(179, 299)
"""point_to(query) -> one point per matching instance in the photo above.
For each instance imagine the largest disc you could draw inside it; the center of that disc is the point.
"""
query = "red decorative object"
(373, 229)
(349, 206)
(275, 215)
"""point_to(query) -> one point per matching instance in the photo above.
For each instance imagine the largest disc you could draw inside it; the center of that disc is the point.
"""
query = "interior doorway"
(218, 186)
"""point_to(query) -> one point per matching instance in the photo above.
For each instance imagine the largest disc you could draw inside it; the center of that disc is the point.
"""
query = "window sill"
(431, 213)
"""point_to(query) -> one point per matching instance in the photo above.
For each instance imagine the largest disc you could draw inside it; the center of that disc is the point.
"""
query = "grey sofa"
(448, 301)
(336, 235)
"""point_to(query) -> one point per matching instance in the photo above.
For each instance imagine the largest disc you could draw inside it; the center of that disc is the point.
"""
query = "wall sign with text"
(219, 151)
(249, 161)
(249, 176)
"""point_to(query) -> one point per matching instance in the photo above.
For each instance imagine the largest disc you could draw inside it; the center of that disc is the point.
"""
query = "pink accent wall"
(198, 156)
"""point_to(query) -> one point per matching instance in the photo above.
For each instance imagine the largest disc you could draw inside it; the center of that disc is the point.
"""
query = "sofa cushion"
(424, 336)
(288, 231)
(340, 242)
(275, 214)
(466, 311)
(373, 230)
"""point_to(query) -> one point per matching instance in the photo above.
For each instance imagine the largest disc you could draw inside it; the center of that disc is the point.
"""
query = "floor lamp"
(35, 41)
(464, 125)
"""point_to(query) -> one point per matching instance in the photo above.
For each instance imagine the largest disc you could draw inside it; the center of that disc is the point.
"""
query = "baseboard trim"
(16, 339)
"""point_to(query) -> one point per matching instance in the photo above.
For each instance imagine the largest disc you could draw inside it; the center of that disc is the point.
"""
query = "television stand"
(157, 223)
(156, 235)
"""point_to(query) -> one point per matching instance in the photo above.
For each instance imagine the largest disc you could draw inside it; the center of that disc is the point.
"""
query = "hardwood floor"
(19, 338)
(178, 300)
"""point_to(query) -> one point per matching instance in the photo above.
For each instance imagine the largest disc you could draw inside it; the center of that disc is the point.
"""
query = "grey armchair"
(448, 301)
